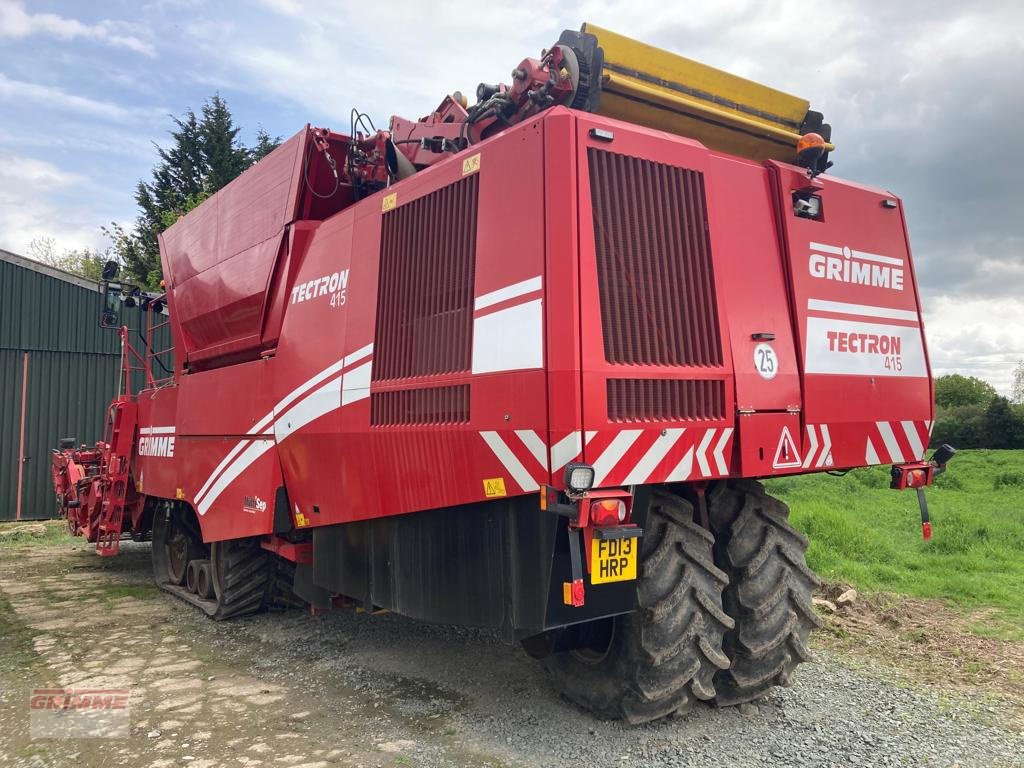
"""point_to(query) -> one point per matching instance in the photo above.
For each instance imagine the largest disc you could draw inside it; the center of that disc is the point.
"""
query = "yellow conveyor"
(651, 87)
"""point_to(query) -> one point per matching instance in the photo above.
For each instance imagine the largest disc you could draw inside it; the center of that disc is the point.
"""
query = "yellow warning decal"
(179, 493)
(389, 202)
(494, 487)
(471, 165)
(301, 520)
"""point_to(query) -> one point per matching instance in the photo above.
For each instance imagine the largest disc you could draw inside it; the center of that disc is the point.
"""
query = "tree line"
(969, 413)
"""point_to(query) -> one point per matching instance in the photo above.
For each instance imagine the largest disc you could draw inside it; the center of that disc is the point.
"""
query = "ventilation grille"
(632, 400)
(653, 262)
(425, 296)
(409, 407)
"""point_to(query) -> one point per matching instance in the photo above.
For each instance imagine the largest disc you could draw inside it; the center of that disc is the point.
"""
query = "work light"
(579, 478)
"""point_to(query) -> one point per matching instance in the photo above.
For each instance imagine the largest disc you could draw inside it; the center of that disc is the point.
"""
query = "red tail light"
(917, 478)
(606, 512)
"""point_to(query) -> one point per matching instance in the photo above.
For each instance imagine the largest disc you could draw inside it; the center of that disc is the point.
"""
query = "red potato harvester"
(519, 365)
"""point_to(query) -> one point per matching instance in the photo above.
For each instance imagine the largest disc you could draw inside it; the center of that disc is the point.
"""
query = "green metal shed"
(58, 372)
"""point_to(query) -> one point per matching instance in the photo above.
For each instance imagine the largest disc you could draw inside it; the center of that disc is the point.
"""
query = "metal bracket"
(618, 532)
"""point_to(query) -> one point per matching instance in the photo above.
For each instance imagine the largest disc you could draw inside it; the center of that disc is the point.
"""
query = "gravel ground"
(347, 688)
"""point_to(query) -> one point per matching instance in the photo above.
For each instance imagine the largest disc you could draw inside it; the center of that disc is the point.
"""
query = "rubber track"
(769, 592)
(663, 656)
(246, 583)
(250, 579)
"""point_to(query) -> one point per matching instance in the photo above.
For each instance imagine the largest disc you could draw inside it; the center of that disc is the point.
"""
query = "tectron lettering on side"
(864, 349)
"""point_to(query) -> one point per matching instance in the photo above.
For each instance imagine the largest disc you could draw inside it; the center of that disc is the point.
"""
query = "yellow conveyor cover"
(651, 87)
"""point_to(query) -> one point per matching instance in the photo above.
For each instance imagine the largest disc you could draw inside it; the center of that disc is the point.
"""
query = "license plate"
(613, 560)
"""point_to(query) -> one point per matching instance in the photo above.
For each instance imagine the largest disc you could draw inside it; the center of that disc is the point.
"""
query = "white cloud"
(16, 22)
(58, 99)
(28, 209)
(975, 337)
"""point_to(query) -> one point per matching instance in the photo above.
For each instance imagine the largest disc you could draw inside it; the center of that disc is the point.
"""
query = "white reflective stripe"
(616, 450)
(356, 384)
(683, 469)
(510, 339)
(358, 355)
(893, 447)
(307, 385)
(865, 310)
(232, 454)
(826, 446)
(565, 450)
(870, 456)
(929, 423)
(323, 400)
(662, 445)
(827, 248)
(156, 430)
(266, 421)
(865, 256)
(509, 461)
(535, 445)
(702, 456)
(723, 468)
(812, 437)
(910, 430)
(508, 292)
(255, 449)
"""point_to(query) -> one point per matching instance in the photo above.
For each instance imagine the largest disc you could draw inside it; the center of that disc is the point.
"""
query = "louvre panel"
(633, 400)
(654, 268)
(425, 297)
(429, 405)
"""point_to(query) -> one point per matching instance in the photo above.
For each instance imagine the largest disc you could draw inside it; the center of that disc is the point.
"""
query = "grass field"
(867, 535)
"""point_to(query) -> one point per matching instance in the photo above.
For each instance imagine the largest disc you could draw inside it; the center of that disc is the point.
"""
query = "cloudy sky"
(926, 99)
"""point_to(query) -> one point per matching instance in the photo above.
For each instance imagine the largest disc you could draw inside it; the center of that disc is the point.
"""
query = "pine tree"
(222, 152)
(264, 145)
(205, 153)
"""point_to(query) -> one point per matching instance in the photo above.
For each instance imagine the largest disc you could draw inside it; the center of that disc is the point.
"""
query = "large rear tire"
(769, 592)
(662, 657)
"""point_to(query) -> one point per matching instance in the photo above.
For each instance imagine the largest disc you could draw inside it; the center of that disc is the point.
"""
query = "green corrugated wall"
(72, 371)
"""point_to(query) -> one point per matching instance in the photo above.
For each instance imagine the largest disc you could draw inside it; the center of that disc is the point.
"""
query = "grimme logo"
(845, 265)
(156, 444)
(253, 504)
(76, 713)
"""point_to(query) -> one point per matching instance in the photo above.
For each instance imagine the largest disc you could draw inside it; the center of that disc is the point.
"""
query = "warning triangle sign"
(786, 455)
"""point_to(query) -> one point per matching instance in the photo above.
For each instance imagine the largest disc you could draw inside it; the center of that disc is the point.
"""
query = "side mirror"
(110, 315)
(110, 270)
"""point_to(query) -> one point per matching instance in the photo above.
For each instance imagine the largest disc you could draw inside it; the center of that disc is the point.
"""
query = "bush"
(1008, 480)
(996, 425)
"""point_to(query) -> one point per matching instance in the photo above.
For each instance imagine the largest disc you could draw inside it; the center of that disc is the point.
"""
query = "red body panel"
(300, 412)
